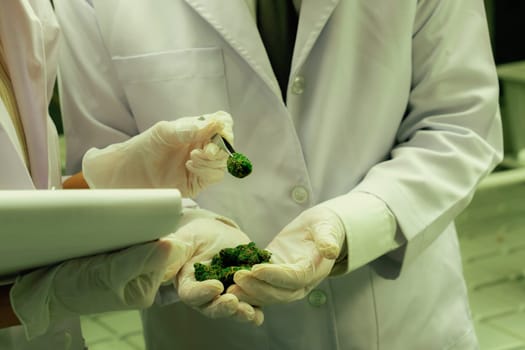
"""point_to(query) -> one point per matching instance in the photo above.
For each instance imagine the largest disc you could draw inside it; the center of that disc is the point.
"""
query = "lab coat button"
(298, 85)
(317, 298)
(299, 194)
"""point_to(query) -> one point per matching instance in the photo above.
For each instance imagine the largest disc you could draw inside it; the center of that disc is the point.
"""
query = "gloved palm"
(175, 154)
(204, 235)
(127, 279)
(303, 254)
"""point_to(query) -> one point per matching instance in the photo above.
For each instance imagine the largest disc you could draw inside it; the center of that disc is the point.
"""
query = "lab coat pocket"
(172, 84)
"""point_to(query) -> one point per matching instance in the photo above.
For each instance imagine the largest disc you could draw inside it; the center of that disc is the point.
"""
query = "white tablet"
(42, 227)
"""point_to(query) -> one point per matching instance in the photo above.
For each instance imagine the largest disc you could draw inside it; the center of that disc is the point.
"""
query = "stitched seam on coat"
(334, 317)
(376, 313)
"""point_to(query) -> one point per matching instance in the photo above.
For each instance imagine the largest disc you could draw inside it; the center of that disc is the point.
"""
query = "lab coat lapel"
(313, 16)
(232, 19)
(29, 81)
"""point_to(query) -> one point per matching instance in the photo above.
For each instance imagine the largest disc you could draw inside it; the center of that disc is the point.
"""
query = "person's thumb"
(180, 253)
(328, 235)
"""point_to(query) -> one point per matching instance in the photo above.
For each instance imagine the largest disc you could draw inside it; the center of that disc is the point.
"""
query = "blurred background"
(491, 230)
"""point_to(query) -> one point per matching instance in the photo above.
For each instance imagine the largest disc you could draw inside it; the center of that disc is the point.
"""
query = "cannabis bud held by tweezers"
(230, 260)
(238, 164)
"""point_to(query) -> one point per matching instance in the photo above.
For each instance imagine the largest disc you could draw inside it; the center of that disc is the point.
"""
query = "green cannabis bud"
(230, 260)
(239, 165)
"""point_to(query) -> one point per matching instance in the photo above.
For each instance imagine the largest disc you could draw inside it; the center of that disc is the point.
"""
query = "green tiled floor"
(492, 239)
(113, 331)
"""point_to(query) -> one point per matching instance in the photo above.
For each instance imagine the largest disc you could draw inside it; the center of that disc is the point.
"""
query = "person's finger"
(327, 239)
(287, 276)
(187, 130)
(244, 297)
(259, 317)
(226, 122)
(225, 305)
(130, 263)
(159, 256)
(208, 127)
(210, 168)
(140, 291)
(199, 159)
(210, 152)
(258, 292)
(213, 152)
(195, 293)
(180, 252)
(249, 314)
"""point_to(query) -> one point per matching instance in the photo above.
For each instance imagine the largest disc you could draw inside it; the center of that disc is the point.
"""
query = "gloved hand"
(127, 279)
(303, 254)
(175, 154)
(204, 235)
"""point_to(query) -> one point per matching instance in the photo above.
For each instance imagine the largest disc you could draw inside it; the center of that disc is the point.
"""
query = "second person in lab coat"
(376, 140)
(39, 309)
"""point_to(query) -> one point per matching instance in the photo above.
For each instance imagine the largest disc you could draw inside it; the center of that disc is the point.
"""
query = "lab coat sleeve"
(371, 231)
(450, 137)
(94, 107)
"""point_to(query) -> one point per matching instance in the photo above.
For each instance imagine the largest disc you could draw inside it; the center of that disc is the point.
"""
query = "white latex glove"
(204, 235)
(127, 279)
(303, 254)
(172, 154)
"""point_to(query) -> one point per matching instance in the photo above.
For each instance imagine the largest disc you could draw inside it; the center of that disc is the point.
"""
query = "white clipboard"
(43, 227)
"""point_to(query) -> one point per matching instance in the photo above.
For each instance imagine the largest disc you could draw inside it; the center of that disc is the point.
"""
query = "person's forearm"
(7, 316)
(76, 181)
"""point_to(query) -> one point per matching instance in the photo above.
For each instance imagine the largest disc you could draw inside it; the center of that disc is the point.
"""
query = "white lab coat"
(29, 34)
(394, 98)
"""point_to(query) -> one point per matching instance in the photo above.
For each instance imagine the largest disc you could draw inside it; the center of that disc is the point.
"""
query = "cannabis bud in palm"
(230, 260)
